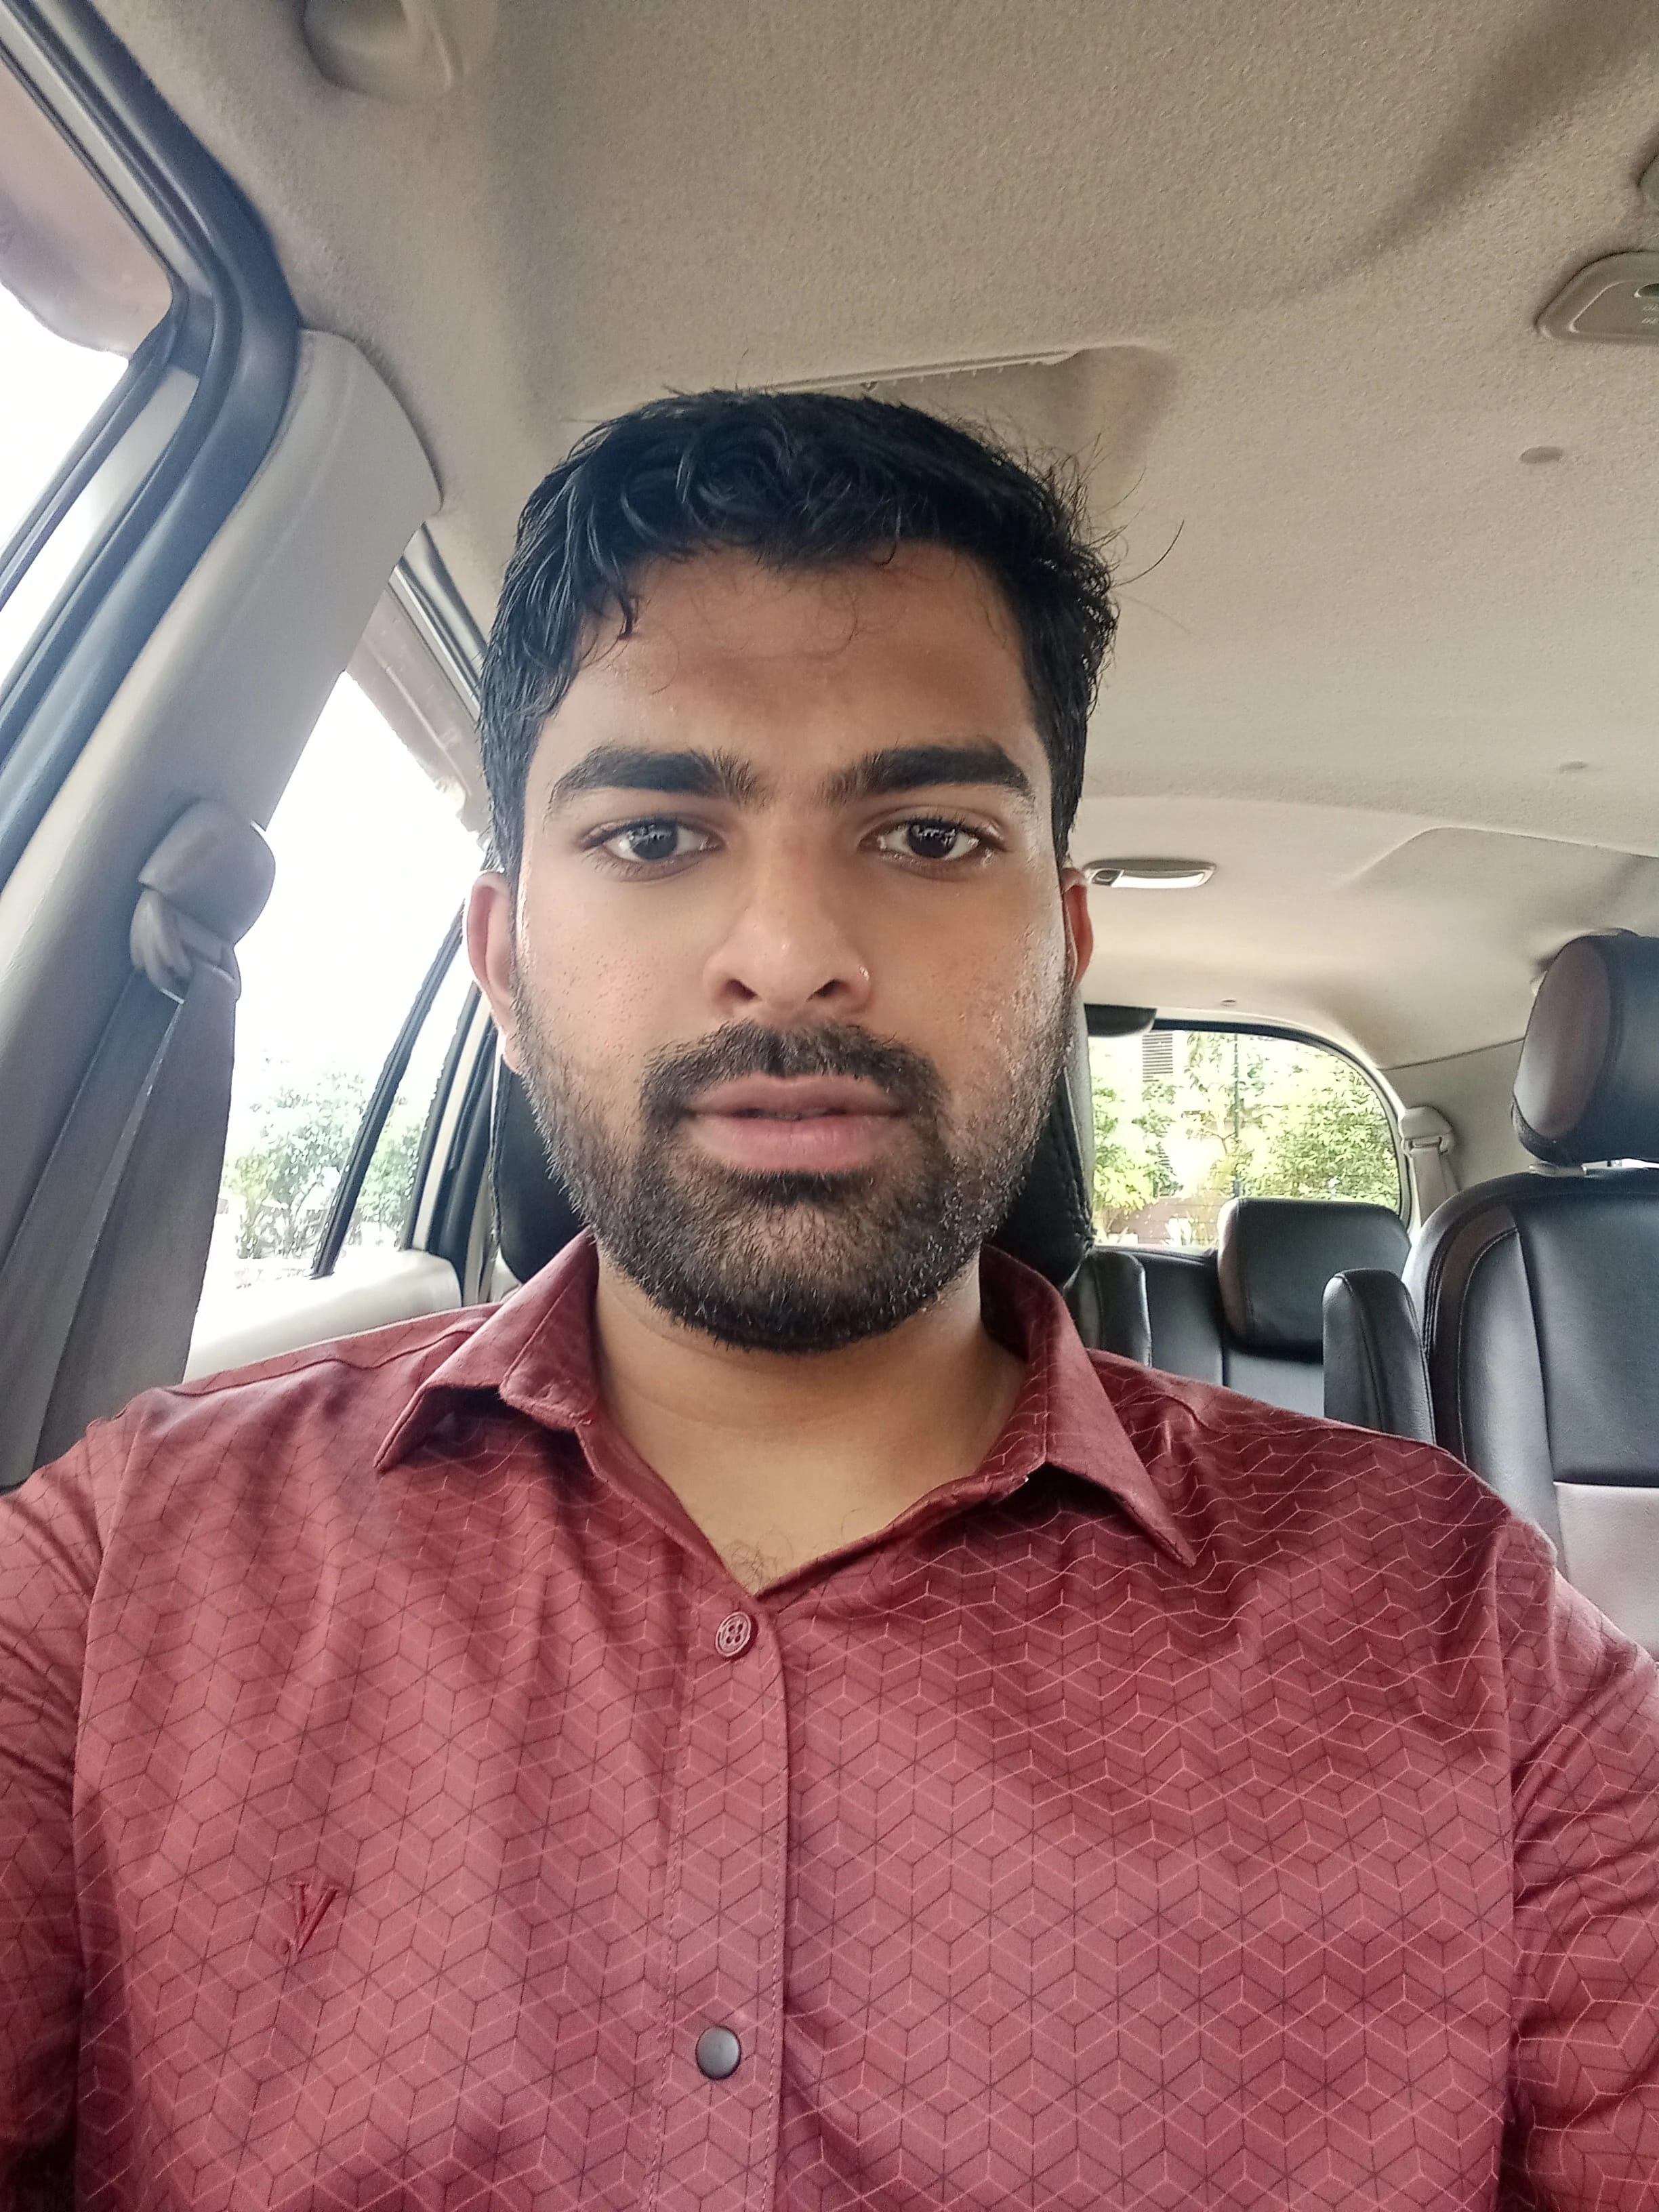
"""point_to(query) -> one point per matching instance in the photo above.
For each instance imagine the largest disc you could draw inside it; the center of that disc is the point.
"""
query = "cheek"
(983, 1005)
(1018, 1030)
(602, 1002)
(587, 943)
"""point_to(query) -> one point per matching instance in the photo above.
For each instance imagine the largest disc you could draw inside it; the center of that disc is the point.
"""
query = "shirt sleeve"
(1583, 2129)
(50, 1551)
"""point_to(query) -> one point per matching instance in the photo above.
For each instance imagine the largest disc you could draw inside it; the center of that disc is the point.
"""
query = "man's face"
(787, 966)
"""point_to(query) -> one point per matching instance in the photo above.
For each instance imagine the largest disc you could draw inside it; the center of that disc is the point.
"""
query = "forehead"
(803, 662)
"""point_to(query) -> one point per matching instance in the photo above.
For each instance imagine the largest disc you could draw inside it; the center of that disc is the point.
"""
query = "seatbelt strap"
(46, 1268)
(1429, 1141)
(98, 1287)
(133, 1320)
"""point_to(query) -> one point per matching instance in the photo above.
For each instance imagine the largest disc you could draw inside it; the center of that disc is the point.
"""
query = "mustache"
(674, 1079)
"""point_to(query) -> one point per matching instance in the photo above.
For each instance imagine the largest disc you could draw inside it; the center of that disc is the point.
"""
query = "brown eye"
(653, 843)
(927, 840)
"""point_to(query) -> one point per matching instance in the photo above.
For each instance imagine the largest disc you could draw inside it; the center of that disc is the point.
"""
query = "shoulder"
(310, 1423)
(1247, 1477)
(406, 1349)
(352, 1375)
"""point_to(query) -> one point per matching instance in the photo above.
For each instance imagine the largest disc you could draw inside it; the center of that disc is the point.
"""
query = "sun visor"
(66, 251)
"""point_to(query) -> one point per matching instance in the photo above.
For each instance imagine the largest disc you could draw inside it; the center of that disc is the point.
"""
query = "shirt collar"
(1063, 1416)
(535, 1352)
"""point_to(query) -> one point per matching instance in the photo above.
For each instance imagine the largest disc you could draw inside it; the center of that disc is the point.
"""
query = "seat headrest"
(1049, 1225)
(1051, 1222)
(1276, 1255)
(1588, 1085)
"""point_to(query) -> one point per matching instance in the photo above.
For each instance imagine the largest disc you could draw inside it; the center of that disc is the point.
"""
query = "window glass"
(49, 391)
(371, 866)
(79, 289)
(382, 1204)
(1187, 1118)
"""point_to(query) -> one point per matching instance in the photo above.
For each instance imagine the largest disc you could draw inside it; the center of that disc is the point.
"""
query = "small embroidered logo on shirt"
(310, 1901)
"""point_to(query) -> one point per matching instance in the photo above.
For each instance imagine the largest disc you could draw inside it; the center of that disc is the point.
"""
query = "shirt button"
(718, 2052)
(731, 1638)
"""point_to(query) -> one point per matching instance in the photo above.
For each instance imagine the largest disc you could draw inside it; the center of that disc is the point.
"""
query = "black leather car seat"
(1273, 1258)
(1108, 1298)
(1376, 1376)
(1049, 1225)
(1248, 1314)
(1538, 1292)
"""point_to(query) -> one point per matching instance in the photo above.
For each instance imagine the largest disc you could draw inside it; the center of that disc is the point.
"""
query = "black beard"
(786, 1261)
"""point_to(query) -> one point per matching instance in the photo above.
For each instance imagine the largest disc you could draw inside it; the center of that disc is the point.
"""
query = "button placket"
(725, 1922)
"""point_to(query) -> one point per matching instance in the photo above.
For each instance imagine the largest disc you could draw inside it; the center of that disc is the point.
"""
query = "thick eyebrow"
(915, 767)
(697, 774)
(639, 768)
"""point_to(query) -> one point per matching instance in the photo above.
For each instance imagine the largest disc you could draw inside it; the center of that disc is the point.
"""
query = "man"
(763, 1717)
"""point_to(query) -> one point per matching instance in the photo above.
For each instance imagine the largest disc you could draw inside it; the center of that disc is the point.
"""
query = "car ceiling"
(1272, 272)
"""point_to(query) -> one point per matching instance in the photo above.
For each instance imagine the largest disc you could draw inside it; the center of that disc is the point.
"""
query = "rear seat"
(1248, 1315)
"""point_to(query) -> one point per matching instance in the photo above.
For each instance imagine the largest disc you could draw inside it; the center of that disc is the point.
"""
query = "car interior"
(1347, 314)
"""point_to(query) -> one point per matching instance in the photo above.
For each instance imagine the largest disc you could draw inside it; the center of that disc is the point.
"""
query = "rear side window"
(1186, 1119)
(372, 866)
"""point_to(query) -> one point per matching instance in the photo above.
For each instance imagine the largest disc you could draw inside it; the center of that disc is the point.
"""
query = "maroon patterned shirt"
(1197, 1806)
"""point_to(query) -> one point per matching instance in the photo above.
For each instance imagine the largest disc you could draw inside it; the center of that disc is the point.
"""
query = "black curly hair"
(799, 480)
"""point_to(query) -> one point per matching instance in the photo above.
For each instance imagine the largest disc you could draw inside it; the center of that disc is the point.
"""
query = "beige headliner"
(1282, 263)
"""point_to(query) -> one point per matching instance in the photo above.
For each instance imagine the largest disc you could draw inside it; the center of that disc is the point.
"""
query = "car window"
(79, 292)
(50, 391)
(1186, 1119)
(372, 866)
(381, 1207)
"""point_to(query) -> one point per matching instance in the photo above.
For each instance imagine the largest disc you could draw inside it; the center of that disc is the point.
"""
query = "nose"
(788, 953)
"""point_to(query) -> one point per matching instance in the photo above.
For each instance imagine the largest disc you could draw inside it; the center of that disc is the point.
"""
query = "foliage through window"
(383, 1203)
(1187, 1118)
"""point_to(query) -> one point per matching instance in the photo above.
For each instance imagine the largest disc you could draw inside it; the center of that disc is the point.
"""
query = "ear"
(490, 949)
(1079, 924)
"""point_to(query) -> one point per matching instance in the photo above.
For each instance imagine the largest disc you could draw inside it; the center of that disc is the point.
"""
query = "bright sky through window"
(49, 391)
(371, 863)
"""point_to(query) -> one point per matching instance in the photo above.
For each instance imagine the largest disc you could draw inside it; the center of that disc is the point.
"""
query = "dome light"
(1148, 875)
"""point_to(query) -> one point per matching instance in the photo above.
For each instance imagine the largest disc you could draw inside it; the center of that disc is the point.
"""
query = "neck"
(780, 1458)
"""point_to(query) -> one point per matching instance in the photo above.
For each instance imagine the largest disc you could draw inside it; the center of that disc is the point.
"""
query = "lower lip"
(819, 1144)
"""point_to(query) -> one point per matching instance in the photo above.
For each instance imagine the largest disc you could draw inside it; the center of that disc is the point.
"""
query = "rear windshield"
(1187, 1118)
